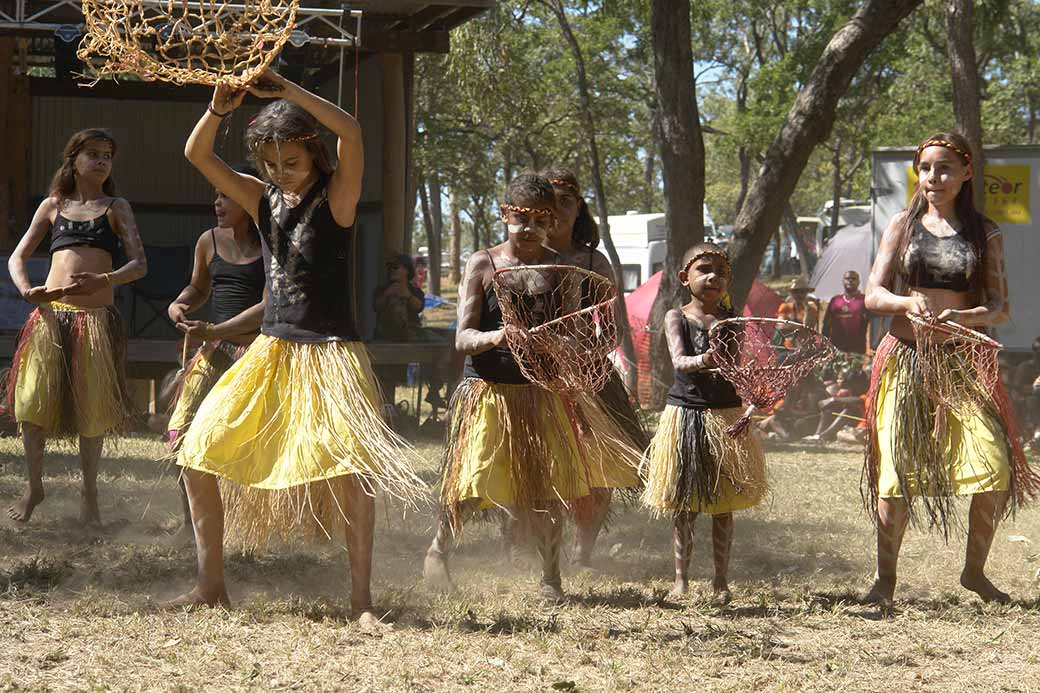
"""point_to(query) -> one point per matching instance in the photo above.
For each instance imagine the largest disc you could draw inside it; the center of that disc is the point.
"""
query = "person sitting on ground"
(792, 416)
(1025, 386)
(842, 408)
(845, 320)
(398, 303)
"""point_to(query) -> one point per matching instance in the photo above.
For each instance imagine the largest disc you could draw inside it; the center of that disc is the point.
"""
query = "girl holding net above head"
(693, 466)
(295, 423)
(67, 376)
(939, 260)
(513, 444)
(229, 271)
(575, 237)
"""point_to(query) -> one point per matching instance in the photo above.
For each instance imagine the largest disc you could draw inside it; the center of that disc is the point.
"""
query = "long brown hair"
(283, 121)
(585, 233)
(974, 222)
(63, 184)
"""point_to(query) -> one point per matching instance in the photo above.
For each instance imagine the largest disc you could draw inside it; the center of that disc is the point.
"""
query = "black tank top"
(235, 287)
(495, 365)
(703, 389)
(92, 233)
(308, 259)
(939, 263)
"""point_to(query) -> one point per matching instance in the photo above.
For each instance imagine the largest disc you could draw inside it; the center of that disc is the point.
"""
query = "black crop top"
(702, 389)
(235, 287)
(932, 262)
(92, 233)
(496, 365)
(308, 259)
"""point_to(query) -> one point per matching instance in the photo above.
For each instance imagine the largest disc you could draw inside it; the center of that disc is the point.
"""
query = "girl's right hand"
(177, 312)
(41, 294)
(226, 99)
(917, 304)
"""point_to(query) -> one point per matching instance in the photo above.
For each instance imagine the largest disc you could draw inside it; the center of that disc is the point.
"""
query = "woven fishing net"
(185, 42)
(959, 365)
(763, 371)
(561, 324)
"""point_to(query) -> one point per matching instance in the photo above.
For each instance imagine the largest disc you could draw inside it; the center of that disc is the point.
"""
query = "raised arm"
(681, 361)
(345, 184)
(468, 337)
(995, 308)
(243, 189)
(880, 298)
(195, 294)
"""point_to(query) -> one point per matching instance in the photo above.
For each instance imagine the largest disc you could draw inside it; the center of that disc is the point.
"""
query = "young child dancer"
(295, 423)
(575, 237)
(68, 372)
(693, 466)
(942, 259)
(513, 444)
(229, 268)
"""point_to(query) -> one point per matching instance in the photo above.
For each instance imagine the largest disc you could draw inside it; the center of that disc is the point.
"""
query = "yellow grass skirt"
(68, 372)
(202, 372)
(285, 423)
(523, 447)
(971, 456)
(693, 465)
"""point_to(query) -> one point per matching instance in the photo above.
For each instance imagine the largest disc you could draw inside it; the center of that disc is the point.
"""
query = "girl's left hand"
(199, 329)
(269, 85)
(86, 283)
(948, 314)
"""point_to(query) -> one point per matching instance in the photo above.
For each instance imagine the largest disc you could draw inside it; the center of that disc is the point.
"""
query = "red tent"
(762, 302)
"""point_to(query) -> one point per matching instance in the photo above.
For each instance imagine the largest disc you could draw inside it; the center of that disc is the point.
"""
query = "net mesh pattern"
(175, 41)
(959, 365)
(561, 324)
(764, 357)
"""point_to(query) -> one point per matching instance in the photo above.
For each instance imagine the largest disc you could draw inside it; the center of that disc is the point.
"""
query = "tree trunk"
(743, 154)
(776, 271)
(808, 123)
(589, 126)
(836, 188)
(478, 220)
(456, 239)
(806, 255)
(967, 89)
(649, 180)
(436, 233)
(682, 166)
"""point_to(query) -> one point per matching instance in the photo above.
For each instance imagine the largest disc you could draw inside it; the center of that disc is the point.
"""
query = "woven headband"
(716, 253)
(948, 145)
(534, 211)
(562, 183)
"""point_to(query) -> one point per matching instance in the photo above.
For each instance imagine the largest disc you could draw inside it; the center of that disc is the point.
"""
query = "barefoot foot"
(435, 572)
(881, 592)
(721, 595)
(679, 589)
(980, 585)
(196, 599)
(89, 515)
(552, 591)
(23, 509)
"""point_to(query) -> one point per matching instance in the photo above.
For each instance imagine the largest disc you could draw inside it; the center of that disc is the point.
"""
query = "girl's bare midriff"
(938, 301)
(67, 261)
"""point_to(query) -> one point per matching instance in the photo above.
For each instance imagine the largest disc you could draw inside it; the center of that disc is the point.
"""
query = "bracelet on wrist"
(108, 278)
(213, 111)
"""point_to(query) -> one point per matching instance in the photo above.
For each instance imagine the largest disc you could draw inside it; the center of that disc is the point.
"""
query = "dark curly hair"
(585, 233)
(529, 190)
(283, 121)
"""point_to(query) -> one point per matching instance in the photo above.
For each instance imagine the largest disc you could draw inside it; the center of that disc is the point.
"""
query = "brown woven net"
(185, 42)
(958, 364)
(561, 324)
(763, 358)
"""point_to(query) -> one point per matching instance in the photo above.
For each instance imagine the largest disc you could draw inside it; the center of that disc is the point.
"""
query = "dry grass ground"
(77, 612)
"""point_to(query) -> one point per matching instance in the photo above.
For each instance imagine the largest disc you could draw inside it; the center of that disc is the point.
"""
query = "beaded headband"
(562, 183)
(948, 145)
(716, 253)
(504, 210)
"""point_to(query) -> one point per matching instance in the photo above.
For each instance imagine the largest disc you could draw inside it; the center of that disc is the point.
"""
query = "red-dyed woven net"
(561, 324)
(761, 371)
(959, 365)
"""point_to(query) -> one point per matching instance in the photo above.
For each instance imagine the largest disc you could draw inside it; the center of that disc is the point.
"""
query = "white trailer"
(1012, 187)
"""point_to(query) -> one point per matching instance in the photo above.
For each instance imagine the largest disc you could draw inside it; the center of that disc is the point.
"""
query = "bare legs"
(359, 505)
(986, 510)
(207, 514)
(721, 542)
(89, 456)
(589, 523)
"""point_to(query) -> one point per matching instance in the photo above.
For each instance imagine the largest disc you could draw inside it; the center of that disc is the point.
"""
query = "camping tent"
(762, 301)
(849, 249)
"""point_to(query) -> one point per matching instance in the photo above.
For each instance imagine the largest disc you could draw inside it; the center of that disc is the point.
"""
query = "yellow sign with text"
(1007, 192)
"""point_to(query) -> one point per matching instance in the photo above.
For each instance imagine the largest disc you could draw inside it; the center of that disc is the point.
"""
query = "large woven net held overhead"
(561, 324)
(185, 42)
(762, 371)
(959, 365)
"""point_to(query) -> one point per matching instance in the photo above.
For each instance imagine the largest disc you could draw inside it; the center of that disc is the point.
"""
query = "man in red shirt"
(845, 322)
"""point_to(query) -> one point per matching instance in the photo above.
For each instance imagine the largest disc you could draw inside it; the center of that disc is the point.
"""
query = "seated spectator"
(794, 415)
(399, 303)
(1024, 390)
(421, 270)
(845, 320)
(799, 307)
(844, 407)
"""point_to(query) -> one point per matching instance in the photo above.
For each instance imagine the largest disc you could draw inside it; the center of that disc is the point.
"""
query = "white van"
(641, 242)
